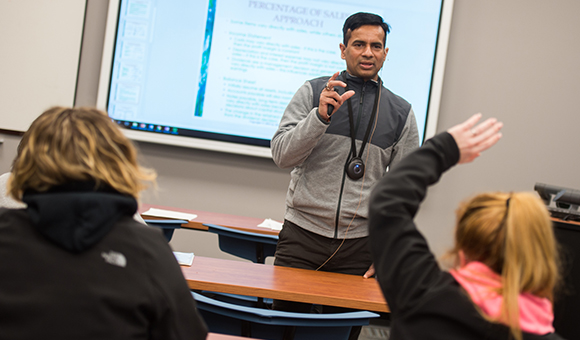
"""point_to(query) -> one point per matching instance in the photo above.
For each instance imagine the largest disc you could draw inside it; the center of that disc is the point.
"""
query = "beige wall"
(39, 58)
(517, 60)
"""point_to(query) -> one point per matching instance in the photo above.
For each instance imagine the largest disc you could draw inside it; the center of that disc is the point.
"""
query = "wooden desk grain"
(300, 285)
(231, 221)
(558, 220)
(216, 336)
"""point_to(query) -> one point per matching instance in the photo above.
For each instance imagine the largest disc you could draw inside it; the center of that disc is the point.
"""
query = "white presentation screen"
(218, 74)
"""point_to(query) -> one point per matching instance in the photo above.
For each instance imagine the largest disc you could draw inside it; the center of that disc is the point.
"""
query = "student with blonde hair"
(506, 262)
(74, 263)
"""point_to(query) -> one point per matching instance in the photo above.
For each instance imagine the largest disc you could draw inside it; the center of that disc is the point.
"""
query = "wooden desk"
(231, 221)
(274, 282)
(216, 336)
(569, 223)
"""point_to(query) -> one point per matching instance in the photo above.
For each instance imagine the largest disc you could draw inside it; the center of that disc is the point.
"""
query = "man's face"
(365, 52)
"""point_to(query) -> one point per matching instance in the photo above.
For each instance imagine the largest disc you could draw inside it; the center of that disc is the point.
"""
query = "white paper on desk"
(271, 224)
(169, 214)
(184, 259)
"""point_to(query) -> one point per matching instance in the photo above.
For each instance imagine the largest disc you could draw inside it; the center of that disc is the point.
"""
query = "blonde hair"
(76, 144)
(512, 234)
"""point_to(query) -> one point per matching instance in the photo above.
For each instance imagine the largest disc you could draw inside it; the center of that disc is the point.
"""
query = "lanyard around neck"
(369, 125)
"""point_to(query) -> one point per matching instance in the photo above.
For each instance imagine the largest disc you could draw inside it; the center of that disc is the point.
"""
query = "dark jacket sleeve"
(406, 269)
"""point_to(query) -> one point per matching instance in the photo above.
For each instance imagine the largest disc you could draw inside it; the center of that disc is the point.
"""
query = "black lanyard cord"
(369, 125)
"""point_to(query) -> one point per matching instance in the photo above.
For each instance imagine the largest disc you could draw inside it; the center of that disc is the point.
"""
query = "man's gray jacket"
(321, 198)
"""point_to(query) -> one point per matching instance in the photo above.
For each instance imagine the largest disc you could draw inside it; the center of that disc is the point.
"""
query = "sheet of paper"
(184, 259)
(169, 214)
(271, 224)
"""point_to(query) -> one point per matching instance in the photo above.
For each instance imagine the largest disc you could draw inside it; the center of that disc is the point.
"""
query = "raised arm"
(405, 267)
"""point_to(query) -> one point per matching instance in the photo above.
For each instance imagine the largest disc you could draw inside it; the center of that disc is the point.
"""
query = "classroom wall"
(516, 60)
(39, 58)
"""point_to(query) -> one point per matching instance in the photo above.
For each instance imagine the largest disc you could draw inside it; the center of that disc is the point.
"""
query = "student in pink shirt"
(506, 267)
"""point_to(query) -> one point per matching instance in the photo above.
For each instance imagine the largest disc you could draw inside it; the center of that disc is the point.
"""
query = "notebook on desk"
(154, 212)
(184, 259)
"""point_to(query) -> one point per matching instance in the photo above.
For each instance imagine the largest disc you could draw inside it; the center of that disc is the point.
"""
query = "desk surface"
(274, 282)
(216, 336)
(563, 222)
(231, 221)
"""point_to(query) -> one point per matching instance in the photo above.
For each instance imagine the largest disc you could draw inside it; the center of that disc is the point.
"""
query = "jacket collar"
(358, 82)
(77, 215)
(482, 284)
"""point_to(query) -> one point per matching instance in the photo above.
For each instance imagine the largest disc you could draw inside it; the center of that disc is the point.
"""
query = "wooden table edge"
(274, 294)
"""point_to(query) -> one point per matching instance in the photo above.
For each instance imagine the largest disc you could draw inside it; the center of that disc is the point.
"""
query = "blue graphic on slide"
(205, 59)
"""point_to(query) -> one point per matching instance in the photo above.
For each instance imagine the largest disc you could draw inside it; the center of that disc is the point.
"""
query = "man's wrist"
(322, 119)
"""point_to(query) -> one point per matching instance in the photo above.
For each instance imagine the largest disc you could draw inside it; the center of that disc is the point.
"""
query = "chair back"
(233, 319)
(247, 245)
(167, 226)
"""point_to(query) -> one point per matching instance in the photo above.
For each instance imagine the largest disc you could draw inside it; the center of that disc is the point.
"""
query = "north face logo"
(115, 258)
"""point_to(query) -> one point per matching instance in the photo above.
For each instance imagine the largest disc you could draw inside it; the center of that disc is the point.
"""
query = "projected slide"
(226, 69)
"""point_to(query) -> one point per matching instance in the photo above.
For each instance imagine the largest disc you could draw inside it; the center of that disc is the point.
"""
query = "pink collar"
(481, 283)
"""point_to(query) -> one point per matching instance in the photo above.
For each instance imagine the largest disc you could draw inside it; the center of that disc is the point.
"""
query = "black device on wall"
(562, 202)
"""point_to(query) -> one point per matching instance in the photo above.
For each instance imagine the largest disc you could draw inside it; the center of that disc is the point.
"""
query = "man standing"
(340, 134)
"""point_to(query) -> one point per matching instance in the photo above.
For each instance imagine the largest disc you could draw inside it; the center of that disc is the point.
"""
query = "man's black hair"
(361, 19)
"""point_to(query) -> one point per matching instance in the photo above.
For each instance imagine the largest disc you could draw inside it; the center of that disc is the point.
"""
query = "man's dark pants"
(299, 248)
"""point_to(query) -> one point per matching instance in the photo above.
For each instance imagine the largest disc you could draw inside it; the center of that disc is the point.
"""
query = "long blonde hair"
(512, 234)
(76, 144)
